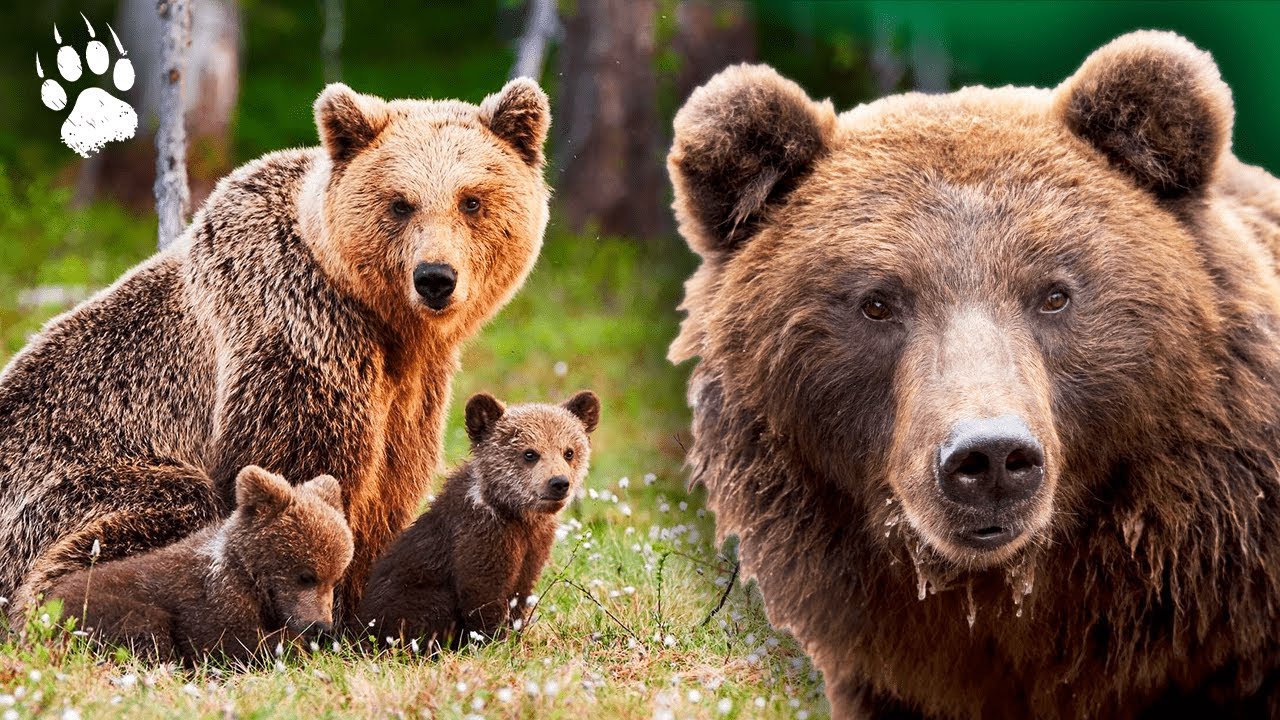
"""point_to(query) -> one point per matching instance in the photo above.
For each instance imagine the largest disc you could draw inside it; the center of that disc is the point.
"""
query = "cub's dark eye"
(531, 456)
(1056, 301)
(401, 208)
(470, 205)
(876, 309)
(307, 579)
(568, 455)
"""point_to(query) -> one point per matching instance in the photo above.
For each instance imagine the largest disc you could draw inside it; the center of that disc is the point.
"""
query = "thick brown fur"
(901, 283)
(283, 329)
(469, 563)
(234, 590)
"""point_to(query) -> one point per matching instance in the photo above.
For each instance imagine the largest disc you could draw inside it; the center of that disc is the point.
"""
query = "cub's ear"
(520, 114)
(258, 490)
(586, 407)
(348, 121)
(483, 410)
(1156, 106)
(327, 488)
(742, 141)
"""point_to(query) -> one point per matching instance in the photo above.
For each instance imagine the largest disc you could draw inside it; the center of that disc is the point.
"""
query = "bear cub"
(468, 564)
(263, 576)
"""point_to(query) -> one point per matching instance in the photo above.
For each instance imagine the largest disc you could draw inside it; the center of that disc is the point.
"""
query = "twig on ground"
(724, 597)
(600, 605)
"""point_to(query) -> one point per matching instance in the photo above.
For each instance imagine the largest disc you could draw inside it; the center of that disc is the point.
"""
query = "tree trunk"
(711, 35)
(541, 27)
(609, 159)
(334, 15)
(173, 196)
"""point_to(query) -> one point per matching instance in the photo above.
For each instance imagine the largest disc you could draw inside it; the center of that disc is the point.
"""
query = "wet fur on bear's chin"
(1153, 588)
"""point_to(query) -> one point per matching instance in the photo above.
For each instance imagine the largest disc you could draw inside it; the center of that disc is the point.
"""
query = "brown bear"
(307, 321)
(469, 563)
(234, 590)
(989, 386)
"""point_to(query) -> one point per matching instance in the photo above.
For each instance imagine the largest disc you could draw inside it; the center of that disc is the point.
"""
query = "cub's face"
(531, 458)
(963, 310)
(434, 210)
(295, 543)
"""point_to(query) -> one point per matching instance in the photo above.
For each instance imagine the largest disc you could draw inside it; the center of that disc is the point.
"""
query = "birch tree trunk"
(173, 196)
(541, 27)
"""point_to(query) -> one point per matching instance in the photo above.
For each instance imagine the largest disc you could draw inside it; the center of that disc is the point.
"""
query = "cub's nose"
(558, 487)
(991, 463)
(435, 283)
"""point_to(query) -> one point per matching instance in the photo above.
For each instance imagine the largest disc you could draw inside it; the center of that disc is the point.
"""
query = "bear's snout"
(435, 283)
(990, 466)
(557, 488)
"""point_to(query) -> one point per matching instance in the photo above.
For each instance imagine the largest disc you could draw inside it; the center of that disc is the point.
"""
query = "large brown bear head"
(962, 316)
(430, 211)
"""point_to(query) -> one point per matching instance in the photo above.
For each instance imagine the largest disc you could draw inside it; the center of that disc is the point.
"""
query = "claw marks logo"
(97, 117)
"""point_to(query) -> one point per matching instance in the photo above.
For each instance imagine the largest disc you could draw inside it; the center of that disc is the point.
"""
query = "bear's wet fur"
(1090, 265)
(469, 564)
(232, 591)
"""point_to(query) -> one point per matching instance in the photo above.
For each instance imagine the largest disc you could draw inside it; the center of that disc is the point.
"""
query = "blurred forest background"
(598, 311)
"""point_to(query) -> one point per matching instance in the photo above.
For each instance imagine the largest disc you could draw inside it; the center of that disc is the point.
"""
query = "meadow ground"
(626, 623)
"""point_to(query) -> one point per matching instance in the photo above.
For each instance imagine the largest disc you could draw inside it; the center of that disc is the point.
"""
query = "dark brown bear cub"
(468, 564)
(263, 576)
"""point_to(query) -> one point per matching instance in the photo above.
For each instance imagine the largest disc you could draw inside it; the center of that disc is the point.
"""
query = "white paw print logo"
(98, 117)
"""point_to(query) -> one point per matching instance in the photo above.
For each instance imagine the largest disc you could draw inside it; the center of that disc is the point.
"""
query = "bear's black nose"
(558, 487)
(435, 283)
(990, 464)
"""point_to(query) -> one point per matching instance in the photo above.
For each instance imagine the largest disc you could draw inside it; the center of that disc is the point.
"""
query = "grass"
(621, 626)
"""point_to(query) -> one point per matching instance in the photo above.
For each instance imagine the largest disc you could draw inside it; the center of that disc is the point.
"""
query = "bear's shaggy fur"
(469, 563)
(1090, 261)
(284, 329)
(232, 590)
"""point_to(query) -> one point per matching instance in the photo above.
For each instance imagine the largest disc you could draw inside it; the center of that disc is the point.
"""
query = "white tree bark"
(541, 27)
(173, 195)
(331, 41)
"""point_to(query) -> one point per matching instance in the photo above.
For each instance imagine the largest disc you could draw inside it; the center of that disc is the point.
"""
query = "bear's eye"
(531, 456)
(876, 309)
(471, 205)
(401, 208)
(568, 455)
(307, 579)
(1056, 301)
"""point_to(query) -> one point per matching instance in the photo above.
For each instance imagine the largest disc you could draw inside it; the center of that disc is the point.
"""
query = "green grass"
(620, 626)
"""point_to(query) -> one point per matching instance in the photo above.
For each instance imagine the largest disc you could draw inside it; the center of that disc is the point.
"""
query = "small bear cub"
(468, 564)
(233, 590)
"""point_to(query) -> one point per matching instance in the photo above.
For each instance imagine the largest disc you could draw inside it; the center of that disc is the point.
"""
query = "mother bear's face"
(961, 310)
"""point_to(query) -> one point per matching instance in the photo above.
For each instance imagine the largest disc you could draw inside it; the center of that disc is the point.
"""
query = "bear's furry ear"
(483, 410)
(742, 141)
(327, 488)
(348, 121)
(258, 490)
(520, 114)
(586, 407)
(1156, 106)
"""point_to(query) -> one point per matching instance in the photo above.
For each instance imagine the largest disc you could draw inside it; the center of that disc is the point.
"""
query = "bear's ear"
(483, 410)
(348, 121)
(742, 141)
(1156, 106)
(258, 490)
(520, 114)
(586, 407)
(327, 488)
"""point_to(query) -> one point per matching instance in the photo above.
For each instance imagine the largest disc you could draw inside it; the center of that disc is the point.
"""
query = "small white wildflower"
(772, 642)
(35, 675)
(629, 531)
(280, 666)
(7, 700)
(44, 619)
(279, 649)
(392, 641)
(694, 696)
(475, 636)
(517, 624)
(461, 687)
(614, 593)
(531, 688)
(683, 505)
(550, 687)
(624, 483)
(669, 640)
(591, 493)
(315, 646)
(631, 643)
(650, 478)
(337, 646)
(477, 704)
(725, 706)
(752, 658)
(664, 507)
(191, 690)
(10, 714)
(794, 702)
(371, 623)
(561, 369)
(505, 695)
(759, 702)
(629, 590)
(701, 512)
(531, 600)
(625, 509)
(79, 633)
(802, 715)
(116, 699)
(94, 552)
